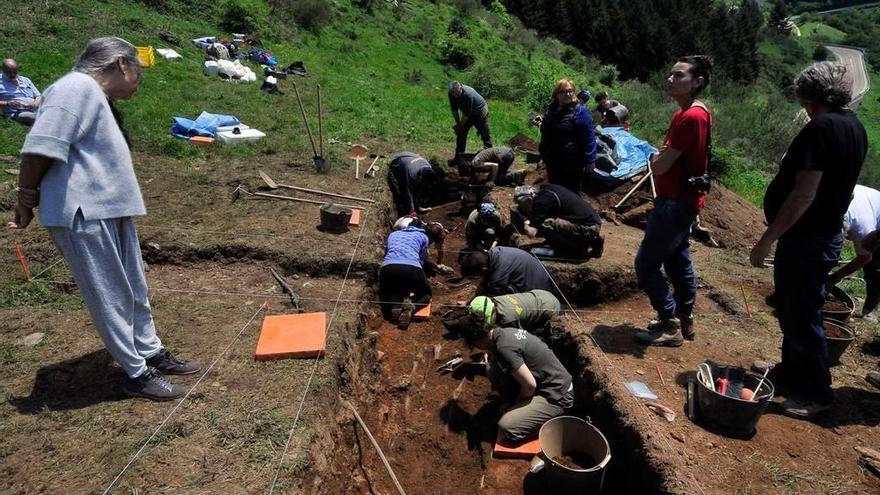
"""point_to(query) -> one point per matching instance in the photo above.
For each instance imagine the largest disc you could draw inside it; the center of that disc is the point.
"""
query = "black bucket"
(839, 340)
(735, 416)
(577, 439)
(840, 314)
(334, 218)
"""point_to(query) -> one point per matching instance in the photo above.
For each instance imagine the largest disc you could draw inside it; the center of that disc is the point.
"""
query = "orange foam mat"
(423, 313)
(355, 217)
(292, 336)
(524, 450)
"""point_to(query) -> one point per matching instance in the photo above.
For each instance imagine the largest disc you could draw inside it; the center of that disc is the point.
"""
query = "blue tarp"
(632, 156)
(205, 125)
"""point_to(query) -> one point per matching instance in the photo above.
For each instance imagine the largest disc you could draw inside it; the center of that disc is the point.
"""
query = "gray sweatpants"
(105, 258)
(526, 417)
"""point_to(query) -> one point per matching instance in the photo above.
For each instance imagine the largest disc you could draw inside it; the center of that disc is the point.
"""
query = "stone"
(32, 339)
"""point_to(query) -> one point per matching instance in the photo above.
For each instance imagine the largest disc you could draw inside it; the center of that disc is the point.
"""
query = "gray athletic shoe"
(152, 385)
(804, 409)
(662, 333)
(406, 312)
(167, 364)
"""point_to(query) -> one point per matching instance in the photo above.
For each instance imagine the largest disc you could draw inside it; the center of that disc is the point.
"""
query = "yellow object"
(147, 55)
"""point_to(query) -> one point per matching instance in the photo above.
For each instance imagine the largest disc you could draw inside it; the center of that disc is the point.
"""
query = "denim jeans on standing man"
(800, 273)
(666, 245)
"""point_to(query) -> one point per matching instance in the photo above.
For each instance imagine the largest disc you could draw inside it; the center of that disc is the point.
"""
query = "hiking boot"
(167, 364)
(873, 377)
(152, 385)
(687, 327)
(803, 409)
(662, 333)
(406, 312)
(597, 247)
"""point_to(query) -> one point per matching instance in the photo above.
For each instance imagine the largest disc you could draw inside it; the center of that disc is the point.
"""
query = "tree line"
(640, 37)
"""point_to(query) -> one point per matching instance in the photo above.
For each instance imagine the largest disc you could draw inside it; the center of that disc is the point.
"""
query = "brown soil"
(835, 307)
(835, 332)
(523, 142)
(576, 460)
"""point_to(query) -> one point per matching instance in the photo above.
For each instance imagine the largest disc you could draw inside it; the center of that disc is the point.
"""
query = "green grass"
(817, 31)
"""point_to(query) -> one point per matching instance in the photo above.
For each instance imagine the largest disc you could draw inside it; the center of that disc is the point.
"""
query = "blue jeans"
(800, 273)
(666, 245)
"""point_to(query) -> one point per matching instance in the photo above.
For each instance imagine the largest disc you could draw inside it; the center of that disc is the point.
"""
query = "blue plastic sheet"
(632, 156)
(206, 124)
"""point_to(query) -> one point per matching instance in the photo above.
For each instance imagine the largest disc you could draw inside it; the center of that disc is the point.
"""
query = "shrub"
(369, 5)
(244, 16)
(455, 51)
(608, 75)
(466, 7)
(820, 53)
(313, 15)
(497, 8)
(458, 28)
(493, 79)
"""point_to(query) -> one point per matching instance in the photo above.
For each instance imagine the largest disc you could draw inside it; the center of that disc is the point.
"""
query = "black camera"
(701, 183)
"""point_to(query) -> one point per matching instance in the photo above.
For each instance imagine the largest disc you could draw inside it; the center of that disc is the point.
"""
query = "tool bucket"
(334, 219)
(322, 165)
(733, 415)
(578, 439)
(838, 312)
(839, 337)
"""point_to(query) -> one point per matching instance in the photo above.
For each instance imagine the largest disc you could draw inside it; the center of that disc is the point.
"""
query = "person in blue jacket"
(568, 141)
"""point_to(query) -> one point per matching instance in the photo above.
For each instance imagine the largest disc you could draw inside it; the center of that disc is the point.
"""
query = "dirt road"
(855, 61)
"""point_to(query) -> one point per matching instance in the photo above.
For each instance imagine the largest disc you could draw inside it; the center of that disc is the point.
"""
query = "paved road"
(855, 61)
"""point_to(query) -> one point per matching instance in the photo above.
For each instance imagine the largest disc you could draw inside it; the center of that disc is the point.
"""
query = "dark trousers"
(872, 284)
(666, 245)
(569, 239)
(397, 282)
(398, 183)
(568, 175)
(481, 122)
(800, 274)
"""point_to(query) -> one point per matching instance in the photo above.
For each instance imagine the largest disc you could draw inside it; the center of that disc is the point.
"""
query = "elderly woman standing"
(76, 165)
(804, 205)
(568, 141)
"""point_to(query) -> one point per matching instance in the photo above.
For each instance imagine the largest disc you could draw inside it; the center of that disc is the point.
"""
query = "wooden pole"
(320, 122)
(305, 120)
(376, 446)
(631, 191)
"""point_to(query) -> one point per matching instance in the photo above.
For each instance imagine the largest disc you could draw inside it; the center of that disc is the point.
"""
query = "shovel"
(274, 185)
(320, 163)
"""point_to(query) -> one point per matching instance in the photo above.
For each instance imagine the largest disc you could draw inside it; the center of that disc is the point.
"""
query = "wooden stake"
(745, 300)
(24, 265)
(634, 189)
(662, 381)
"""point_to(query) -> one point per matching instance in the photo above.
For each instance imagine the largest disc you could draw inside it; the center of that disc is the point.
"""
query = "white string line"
(181, 401)
(317, 358)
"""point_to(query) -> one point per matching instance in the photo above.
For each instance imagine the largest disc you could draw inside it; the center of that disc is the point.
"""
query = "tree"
(778, 14)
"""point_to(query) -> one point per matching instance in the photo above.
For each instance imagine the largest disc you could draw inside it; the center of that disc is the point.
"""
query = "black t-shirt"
(834, 143)
(512, 270)
(556, 201)
(515, 347)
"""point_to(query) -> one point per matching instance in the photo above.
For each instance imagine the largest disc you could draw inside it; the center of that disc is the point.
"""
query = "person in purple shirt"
(19, 98)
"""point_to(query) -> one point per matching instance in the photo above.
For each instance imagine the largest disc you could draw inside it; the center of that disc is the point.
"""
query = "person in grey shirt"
(496, 161)
(528, 376)
(506, 270)
(76, 165)
(469, 109)
(531, 310)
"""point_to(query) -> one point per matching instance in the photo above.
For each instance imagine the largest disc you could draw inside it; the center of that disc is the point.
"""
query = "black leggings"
(397, 282)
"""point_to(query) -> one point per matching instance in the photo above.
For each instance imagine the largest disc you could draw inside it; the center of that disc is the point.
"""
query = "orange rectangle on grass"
(292, 336)
(201, 140)
(355, 217)
(524, 450)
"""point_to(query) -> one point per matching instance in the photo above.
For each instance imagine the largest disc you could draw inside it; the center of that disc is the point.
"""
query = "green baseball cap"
(482, 305)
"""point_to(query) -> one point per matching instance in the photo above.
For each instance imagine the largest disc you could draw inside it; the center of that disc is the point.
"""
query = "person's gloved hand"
(446, 270)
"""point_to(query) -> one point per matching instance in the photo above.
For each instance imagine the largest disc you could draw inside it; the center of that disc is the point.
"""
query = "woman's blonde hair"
(558, 88)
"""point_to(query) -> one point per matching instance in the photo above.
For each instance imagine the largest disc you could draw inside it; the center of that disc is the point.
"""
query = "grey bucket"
(566, 435)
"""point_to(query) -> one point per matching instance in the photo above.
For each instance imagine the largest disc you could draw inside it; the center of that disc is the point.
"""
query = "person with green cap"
(531, 310)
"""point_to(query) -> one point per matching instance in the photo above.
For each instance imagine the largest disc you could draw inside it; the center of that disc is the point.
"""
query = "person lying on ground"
(436, 236)
(532, 382)
(495, 162)
(568, 140)
(531, 311)
(506, 270)
(861, 224)
(569, 224)
(403, 285)
(77, 166)
(805, 205)
(483, 227)
(680, 169)
(409, 176)
(19, 98)
(469, 109)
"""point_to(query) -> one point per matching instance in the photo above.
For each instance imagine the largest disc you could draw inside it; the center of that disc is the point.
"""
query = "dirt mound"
(523, 142)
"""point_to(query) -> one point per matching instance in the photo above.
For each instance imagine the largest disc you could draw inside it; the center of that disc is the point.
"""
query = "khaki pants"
(526, 417)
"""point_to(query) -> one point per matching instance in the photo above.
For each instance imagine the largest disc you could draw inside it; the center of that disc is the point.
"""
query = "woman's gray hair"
(825, 82)
(100, 55)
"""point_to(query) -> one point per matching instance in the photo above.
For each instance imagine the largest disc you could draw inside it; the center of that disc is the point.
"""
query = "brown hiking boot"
(406, 312)
(687, 327)
(662, 333)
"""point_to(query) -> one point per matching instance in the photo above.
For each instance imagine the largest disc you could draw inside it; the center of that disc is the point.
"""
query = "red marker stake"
(24, 266)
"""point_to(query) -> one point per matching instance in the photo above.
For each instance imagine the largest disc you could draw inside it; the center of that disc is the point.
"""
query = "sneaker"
(662, 333)
(687, 327)
(167, 364)
(803, 409)
(871, 316)
(873, 377)
(406, 312)
(152, 385)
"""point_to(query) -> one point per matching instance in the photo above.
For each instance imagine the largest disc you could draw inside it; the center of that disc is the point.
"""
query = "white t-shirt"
(863, 215)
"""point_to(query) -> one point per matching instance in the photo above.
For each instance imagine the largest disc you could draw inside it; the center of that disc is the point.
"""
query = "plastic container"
(733, 415)
(245, 136)
(572, 436)
(241, 127)
(839, 340)
(147, 55)
(839, 314)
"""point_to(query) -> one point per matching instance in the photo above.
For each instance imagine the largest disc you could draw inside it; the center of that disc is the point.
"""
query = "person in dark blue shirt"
(568, 140)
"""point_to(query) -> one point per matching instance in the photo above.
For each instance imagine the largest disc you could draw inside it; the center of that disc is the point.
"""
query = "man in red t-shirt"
(680, 171)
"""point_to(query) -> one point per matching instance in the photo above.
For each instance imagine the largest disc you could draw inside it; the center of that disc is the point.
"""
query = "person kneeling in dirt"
(506, 270)
(403, 285)
(409, 175)
(860, 225)
(527, 375)
(436, 235)
(483, 227)
(531, 311)
(496, 163)
(569, 224)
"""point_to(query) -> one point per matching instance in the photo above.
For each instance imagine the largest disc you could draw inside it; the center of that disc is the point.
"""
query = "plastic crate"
(147, 55)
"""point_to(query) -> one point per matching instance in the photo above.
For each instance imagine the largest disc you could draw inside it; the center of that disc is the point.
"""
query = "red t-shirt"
(688, 133)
